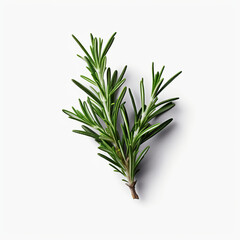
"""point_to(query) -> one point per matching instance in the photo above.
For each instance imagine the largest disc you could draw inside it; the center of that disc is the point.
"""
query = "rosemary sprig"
(99, 113)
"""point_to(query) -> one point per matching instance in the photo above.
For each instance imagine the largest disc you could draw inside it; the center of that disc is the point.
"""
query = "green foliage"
(100, 112)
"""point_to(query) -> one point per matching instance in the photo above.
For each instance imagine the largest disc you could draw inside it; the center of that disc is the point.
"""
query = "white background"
(53, 184)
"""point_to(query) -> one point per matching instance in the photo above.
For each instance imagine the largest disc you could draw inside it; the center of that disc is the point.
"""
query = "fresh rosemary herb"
(99, 113)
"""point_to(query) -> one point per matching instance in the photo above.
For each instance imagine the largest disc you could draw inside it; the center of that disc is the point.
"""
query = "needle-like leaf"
(109, 159)
(145, 131)
(109, 44)
(122, 73)
(87, 91)
(82, 47)
(162, 110)
(88, 79)
(133, 102)
(157, 130)
(142, 94)
(166, 101)
(95, 136)
(117, 105)
(124, 116)
(141, 156)
(118, 85)
(169, 81)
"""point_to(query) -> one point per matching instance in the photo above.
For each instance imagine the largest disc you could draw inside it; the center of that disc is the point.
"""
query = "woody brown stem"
(132, 189)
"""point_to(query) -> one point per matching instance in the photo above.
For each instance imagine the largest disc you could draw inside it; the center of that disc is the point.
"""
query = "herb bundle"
(99, 113)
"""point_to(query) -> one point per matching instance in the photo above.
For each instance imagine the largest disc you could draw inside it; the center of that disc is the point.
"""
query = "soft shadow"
(153, 161)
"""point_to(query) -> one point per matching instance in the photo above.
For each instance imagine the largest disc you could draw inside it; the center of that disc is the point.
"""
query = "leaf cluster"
(104, 103)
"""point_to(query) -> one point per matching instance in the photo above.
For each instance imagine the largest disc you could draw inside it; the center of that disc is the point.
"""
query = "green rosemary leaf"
(94, 56)
(153, 74)
(72, 115)
(109, 159)
(85, 116)
(98, 111)
(82, 47)
(111, 151)
(133, 102)
(91, 36)
(157, 130)
(103, 64)
(95, 136)
(88, 79)
(139, 114)
(122, 74)
(117, 105)
(141, 156)
(89, 115)
(141, 133)
(131, 161)
(87, 91)
(78, 113)
(142, 94)
(124, 136)
(114, 77)
(117, 158)
(157, 86)
(93, 112)
(100, 47)
(166, 101)
(118, 85)
(105, 137)
(109, 77)
(77, 118)
(107, 146)
(121, 149)
(108, 45)
(103, 148)
(153, 77)
(95, 44)
(162, 110)
(160, 75)
(95, 91)
(125, 111)
(87, 129)
(157, 78)
(117, 170)
(91, 66)
(81, 57)
(100, 88)
(82, 107)
(125, 119)
(169, 81)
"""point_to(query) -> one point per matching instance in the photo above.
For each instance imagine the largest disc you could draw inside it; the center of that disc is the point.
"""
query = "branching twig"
(103, 105)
